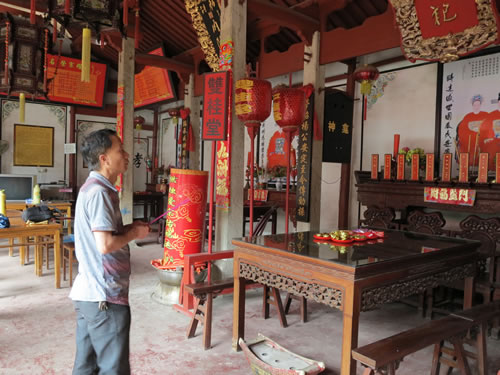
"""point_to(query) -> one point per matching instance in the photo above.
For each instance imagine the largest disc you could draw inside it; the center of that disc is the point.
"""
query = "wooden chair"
(68, 258)
(428, 223)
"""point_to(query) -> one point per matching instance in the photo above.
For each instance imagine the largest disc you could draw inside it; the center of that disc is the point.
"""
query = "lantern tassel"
(54, 30)
(137, 28)
(67, 7)
(7, 29)
(366, 87)
(45, 68)
(33, 12)
(22, 107)
(125, 13)
(86, 55)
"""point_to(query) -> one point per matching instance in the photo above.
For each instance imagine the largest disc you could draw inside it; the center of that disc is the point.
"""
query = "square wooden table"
(352, 278)
(38, 231)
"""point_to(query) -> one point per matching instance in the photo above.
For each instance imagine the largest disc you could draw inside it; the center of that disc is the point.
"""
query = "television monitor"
(17, 187)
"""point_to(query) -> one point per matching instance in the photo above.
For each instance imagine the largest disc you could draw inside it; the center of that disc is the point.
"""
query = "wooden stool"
(273, 298)
(68, 256)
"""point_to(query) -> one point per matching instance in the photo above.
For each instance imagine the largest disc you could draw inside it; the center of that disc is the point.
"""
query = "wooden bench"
(204, 293)
(386, 354)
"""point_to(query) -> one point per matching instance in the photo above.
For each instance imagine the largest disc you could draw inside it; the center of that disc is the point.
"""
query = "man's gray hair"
(94, 145)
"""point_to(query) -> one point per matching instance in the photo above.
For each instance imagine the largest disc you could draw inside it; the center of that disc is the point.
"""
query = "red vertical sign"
(215, 106)
(374, 166)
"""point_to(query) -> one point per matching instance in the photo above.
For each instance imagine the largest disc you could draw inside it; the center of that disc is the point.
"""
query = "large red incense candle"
(396, 145)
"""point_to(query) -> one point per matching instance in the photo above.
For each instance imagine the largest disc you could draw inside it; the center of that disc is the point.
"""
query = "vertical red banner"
(387, 166)
(120, 119)
(401, 167)
(497, 168)
(374, 175)
(446, 168)
(429, 167)
(415, 167)
(463, 175)
(483, 168)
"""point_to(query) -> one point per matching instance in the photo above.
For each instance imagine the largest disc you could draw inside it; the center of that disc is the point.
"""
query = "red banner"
(120, 109)
(215, 105)
(461, 197)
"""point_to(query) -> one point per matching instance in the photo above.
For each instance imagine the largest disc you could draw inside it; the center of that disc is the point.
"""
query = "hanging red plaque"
(445, 30)
(215, 105)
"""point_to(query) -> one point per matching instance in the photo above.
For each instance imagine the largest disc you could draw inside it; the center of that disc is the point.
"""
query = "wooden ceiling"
(167, 22)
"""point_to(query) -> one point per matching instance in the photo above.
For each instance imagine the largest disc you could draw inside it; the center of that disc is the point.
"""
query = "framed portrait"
(468, 118)
(33, 146)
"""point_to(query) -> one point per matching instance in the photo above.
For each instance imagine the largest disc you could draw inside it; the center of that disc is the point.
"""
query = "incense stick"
(166, 212)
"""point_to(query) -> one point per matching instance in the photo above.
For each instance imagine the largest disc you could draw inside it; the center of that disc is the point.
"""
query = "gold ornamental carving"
(443, 48)
(211, 54)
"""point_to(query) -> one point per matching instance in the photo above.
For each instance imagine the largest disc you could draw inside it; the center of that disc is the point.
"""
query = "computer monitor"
(17, 187)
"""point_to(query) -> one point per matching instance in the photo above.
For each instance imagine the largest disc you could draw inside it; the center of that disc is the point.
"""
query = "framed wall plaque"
(33, 146)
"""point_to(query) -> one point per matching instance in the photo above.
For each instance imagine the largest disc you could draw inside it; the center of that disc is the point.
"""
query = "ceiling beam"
(303, 25)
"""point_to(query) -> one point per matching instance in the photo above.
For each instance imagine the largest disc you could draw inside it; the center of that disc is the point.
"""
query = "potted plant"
(277, 172)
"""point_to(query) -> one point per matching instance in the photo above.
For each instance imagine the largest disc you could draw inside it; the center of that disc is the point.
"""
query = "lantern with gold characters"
(366, 75)
(289, 107)
(253, 105)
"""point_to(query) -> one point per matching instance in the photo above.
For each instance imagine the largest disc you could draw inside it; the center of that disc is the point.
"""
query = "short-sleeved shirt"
(101, 277)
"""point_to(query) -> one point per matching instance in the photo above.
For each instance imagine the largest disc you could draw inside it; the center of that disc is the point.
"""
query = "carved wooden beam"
(183, 70)
(303, 25)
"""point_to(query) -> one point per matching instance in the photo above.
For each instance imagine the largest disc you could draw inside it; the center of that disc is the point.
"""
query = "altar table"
(352, 278)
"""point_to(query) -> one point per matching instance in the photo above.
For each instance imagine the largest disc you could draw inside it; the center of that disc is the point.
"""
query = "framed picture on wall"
(469, 102)
(33, 146)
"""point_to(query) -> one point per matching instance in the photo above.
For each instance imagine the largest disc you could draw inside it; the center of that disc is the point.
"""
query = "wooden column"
(193, 103)
(154, 152)
(315, 74)
(126, 80)
(345, 172)
(230, 222)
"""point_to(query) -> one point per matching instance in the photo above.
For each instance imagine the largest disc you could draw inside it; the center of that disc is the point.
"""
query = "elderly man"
(100, 291)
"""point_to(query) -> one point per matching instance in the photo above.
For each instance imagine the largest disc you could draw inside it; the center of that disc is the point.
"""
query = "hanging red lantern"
(252, 106)
(139, 122)
(289, 107)
(365, 75)
(253, 101)
(174, 113)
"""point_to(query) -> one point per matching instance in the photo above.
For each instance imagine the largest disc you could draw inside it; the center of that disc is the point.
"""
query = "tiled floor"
(37, 325)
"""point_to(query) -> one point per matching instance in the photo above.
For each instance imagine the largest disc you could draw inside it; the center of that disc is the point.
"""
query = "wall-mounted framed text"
(33, 146)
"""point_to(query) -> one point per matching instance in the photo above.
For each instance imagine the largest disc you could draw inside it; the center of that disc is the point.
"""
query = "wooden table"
(151, 200)
(38, 231)
(359, 278)
(62, 206)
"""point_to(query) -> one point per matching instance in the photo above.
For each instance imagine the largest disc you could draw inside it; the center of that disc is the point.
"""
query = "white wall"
(52, 115)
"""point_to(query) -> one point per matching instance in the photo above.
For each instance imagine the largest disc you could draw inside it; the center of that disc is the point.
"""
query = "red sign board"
(387, 166)
(259, 195)
(65, 85)
(429, 167)
(442, 17)
(374, 174)
(152, 84)
(461, 197)
(215, 105)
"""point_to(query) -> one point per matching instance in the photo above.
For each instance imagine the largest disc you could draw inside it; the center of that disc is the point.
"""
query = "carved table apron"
(349, 288)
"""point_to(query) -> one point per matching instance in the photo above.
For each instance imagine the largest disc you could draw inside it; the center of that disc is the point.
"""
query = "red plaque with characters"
(215, 105)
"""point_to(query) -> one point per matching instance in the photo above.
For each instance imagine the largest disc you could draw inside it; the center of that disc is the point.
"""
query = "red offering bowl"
(342, 241)
(360, 238)
(322, 238)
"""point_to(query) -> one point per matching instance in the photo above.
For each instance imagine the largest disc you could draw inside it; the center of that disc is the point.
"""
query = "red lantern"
(174, 113)
(253, 101)
(253, 105)
(366, 74)
(289, 107)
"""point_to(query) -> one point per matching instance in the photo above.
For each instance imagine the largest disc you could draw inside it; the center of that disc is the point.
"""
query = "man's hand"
(140, 229)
